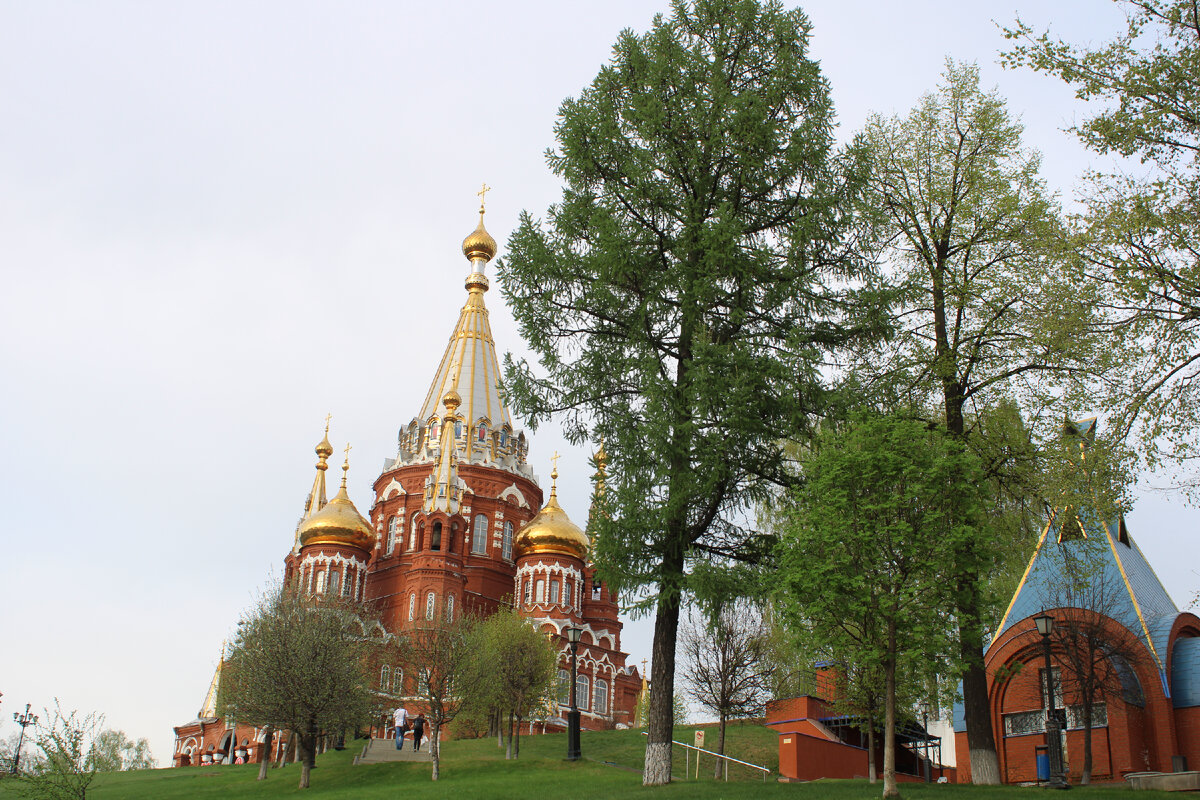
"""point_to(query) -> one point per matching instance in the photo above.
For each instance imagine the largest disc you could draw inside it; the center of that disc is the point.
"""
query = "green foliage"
(113, 751)
(867, 562)
(1140, 236)
(299, 663)
(65, 769)
(512, 669)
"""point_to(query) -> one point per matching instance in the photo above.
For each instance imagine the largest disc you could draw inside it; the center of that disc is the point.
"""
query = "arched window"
(321, 582)
(567, 594)
(581, 692)
(384, 677)
(434, 429)
(457, 429)
(541, 591)
(335, 582)
(601, 696)
(429, 605)
(412, 606)
(450, 608)
(412, 537)
(397, 679)
(479, 536)
(506, 547)
(393, 523)
(435, 541)
(595, 589)
(503, 437)
(554, 591)
(564, 686)
(483, 432)
(528, 591)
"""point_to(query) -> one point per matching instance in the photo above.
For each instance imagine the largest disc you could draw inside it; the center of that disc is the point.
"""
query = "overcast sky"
(221, 220)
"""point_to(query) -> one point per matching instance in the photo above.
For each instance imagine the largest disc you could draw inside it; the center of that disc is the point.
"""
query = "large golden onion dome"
(479, 244)
(552, 531)
(338, 523)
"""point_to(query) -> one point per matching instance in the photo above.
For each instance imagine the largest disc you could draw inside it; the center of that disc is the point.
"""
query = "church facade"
(1144, 663)
(458, 526)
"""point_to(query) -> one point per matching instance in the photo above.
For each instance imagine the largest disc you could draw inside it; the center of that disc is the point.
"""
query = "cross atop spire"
(482, 193)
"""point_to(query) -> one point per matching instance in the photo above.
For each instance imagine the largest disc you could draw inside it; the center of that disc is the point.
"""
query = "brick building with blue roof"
(1149, 719)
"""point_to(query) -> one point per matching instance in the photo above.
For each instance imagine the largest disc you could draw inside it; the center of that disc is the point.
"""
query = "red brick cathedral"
(458, 526)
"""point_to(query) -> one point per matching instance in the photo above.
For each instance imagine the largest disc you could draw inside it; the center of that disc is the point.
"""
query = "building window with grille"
(541, 591)
(430, 602)
(397, 679)
(506, 548)
(384, 677)
(581, 692)
(554, 598)
(528, 591)
(450, 608)
(412, 607)
(479, 535)
(335, 582)
(564, 687)
(391, 537)
(601, 696)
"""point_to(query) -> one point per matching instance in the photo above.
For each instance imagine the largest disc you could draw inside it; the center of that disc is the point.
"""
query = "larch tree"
(1139, 236)
(867, 556)
(957, 213)
(682, 294)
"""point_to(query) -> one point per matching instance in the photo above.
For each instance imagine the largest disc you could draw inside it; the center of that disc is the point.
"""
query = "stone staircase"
(379, 751)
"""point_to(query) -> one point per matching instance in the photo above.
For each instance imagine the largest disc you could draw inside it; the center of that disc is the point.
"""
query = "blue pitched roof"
(1137, 599)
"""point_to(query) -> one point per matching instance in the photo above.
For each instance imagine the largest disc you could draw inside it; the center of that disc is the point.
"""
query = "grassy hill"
(477, 769)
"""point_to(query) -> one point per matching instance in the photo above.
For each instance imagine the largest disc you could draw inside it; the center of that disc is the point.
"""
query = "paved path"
(379, 751)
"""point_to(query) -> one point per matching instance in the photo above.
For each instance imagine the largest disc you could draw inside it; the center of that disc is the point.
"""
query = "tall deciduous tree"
(437, 656)
(867, 559)
(65, 768)
(955, 207)
(680, 296)
(1140, 235)
(113, 751)
(298, 663)
(725, 666)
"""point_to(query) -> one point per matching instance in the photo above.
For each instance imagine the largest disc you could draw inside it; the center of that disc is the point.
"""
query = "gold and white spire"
(316, 497)
(470, 369)
(442, 489)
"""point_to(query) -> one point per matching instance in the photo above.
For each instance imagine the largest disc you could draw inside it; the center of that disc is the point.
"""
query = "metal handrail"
(765, 770)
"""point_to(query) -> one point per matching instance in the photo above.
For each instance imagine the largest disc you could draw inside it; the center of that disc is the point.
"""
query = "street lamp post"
(925, 731)
(24, 720)
(573, 635)
(1045, 625)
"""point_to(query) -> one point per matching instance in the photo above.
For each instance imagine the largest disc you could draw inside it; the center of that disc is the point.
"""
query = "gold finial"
(346, 465)
(554, 473)
(324, 448)
(482, 193)
(480, 244)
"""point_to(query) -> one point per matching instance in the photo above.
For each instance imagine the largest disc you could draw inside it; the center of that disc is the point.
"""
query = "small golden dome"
(552, 531)
(325, 449)
(451, 400)
(480, 243)
(338, 523)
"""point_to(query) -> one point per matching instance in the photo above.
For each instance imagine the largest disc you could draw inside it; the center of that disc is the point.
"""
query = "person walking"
(418, 730)
(400, 717)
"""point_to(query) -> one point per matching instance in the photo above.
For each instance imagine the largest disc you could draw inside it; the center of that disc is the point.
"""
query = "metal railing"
(725, 766)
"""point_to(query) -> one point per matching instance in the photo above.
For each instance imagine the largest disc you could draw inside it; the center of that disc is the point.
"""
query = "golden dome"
(451, 400)
(338, 523)
(480, 243)
(552, 531)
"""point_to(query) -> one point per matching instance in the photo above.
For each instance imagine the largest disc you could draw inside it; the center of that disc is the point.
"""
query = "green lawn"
(477, 769)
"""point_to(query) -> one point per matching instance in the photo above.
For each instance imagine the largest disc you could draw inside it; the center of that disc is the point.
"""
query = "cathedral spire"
(441, 488)
(316, 497)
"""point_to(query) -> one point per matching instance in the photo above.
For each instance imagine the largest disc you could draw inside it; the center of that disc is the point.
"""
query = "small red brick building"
(458, 526)
(1149, 718)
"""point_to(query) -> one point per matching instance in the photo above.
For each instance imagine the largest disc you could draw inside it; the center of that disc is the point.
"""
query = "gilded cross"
(348, 448)
(327, 418)
(554, 458)
(482, 193)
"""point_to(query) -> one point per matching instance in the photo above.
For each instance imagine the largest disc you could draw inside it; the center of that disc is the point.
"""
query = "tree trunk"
(308, 756)
(264, 753)
(517, 741)
(661, 713)
(1086, 776)
(720, 747)
(434, 750)
(508, 731)
(891, 791)
(872, 767)
(985, 766)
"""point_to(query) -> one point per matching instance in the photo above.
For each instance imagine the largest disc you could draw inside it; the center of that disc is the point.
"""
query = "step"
(380, 751)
